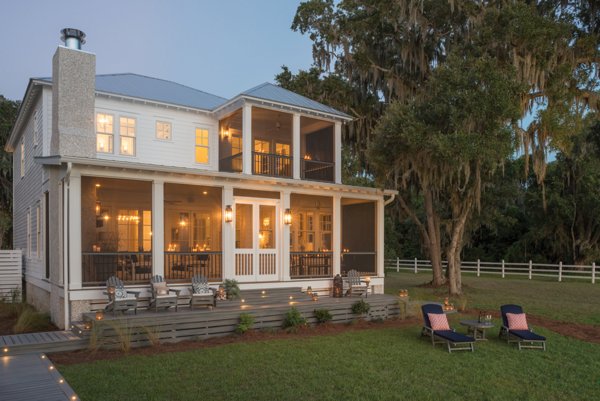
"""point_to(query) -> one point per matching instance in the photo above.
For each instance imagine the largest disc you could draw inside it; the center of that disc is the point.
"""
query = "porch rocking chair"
(161, 294)
(355, 286)
(120, 299)
(202, 294)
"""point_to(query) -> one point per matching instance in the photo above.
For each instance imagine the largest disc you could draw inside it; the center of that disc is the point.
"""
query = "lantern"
(100, 314)
(309, 290)
(228, 214)
(315, 296)
(287, 217)
(338, 286)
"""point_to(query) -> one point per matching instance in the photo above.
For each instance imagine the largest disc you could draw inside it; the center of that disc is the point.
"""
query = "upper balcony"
(280, 145)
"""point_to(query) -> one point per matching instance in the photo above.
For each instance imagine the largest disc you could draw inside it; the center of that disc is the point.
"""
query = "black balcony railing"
(317, 170)
(271, 164)
(131, 267)
(182, 266)
(310, 264)
(231, 164)
(363, 262)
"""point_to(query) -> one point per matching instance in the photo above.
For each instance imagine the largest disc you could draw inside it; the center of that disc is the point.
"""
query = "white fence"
(530, 270)
(11, 274)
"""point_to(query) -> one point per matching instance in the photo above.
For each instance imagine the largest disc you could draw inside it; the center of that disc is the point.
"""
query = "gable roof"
(274, 93)
(160, 90)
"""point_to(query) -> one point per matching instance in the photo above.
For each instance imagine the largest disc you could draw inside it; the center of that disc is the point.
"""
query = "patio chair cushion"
(527, 335)
(201, 289)
(161, 288)
(438, 321)
(517, 321)
(454, 337)
(120, 293)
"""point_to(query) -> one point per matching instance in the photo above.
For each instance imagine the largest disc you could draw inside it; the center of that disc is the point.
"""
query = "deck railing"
(529, 269)
(131, 267)
(272, 164)
(363, 262)
(310, 264)
(317, 171)
(231, 164)
(182, 266)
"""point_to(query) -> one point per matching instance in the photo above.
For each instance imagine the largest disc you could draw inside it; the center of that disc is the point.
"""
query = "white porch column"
(380, 244)
(158, 227)
(337, 145)
(296, 146)
(285, 236)
(337, 234)
(228, 244)
(247, 139)
(74, 233)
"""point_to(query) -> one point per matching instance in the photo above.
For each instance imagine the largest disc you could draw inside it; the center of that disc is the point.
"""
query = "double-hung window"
(104, 133)
(163, 130)
(202, 145)
(127, 132)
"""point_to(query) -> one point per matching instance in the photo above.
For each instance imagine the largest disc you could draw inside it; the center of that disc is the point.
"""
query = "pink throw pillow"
(438, 321)
(517, 321)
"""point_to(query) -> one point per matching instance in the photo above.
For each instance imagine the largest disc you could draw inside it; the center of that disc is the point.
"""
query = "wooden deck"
(268, 308)
(32, 377)
(49, 341)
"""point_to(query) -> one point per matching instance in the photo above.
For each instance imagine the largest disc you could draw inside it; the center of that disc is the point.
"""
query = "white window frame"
(38, 230)
(170, 138)
(29, 232)
(22, 157)
(207, 146)
(132, 137)
(110, 134)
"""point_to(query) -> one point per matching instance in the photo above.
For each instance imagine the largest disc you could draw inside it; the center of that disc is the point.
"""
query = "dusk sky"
(222, 47)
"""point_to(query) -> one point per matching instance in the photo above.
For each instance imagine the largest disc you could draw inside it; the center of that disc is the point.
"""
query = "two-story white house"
(133, 176)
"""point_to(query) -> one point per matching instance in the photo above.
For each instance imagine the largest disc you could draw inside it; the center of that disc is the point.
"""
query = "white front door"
(256, 239)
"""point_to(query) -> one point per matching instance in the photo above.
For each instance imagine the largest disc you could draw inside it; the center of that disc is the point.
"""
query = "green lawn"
(568, 301)
(373, 364)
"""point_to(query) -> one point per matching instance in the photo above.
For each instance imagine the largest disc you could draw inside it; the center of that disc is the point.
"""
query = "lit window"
(104, 133)
(201, 145)
(163, 130)
(282, 149)
(127, 132)
(23, 158)
(262, 146)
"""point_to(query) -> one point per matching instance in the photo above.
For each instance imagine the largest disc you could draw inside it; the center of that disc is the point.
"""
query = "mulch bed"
(75, 357)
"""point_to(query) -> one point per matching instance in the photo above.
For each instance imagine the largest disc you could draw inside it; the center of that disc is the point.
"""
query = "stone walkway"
(32, 377)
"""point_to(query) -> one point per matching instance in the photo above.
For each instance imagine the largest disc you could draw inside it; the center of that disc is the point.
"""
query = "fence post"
(416, 268)
(530, 267)
(594, 273)
(560, 271)
(502, 268)
(397, 264)
(478, 273)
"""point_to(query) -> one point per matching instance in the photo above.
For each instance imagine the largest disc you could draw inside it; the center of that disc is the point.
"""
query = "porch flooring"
(32, 377)
(49, 341)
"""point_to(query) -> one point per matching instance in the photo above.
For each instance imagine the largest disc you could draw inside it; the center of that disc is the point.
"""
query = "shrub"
(152, 334)
(231, 288)
(293, 319)
(246, 323)
(322, 315)
(360, 307)
(29, 321)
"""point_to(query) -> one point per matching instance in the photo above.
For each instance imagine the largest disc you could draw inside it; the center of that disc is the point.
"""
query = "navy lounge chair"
(523, 338)
(454, 340)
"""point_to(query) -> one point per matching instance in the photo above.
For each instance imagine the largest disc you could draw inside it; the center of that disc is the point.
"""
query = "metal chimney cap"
(68, 33)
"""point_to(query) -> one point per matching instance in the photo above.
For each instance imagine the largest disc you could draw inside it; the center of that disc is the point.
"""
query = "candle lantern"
(403, 293)
(447, 305)
(221, 295)
(309, 290)
(99, 315)
(338, 286)
(315, 296)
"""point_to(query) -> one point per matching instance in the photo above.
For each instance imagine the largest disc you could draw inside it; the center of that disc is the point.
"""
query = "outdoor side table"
(476, 328)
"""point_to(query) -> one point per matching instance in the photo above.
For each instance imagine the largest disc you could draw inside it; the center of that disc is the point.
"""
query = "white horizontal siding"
(177, 152)
(10, 274)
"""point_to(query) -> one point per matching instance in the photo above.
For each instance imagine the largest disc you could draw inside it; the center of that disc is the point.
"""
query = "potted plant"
(231, 288)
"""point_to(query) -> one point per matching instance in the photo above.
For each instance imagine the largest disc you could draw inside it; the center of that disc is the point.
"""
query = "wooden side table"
(476, 328)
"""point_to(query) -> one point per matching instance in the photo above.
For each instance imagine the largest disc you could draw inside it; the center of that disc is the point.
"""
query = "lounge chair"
(202, 294)
(119, 298)
(162, 296)
(455, 341)
(356, 288)
(523, 335)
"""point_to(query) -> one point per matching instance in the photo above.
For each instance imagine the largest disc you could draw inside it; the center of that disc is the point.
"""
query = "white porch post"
(285, 236)
(227, 247)
(158, 227)
(337, 145)
(296, 146)
(380, 244)
(337, 234)
(247, 139)
(74, 233)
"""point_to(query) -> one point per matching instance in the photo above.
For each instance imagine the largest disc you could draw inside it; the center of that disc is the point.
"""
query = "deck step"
(50, 341)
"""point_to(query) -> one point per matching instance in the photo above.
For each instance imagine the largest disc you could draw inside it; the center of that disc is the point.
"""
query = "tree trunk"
(434, 240)
(460, 212)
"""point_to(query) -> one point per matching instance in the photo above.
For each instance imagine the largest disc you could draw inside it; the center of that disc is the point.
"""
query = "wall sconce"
(228, 214)
(287, 217)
